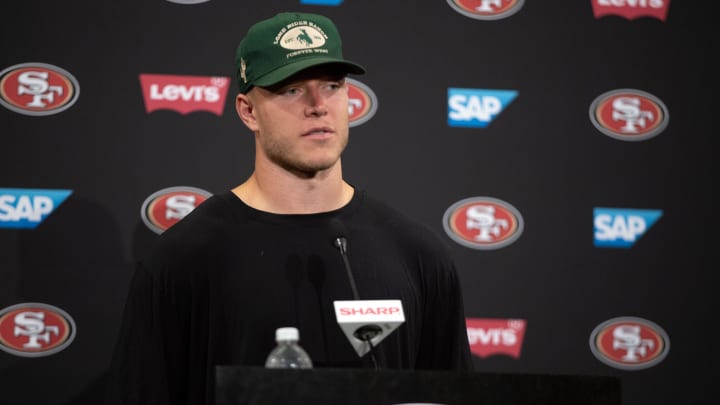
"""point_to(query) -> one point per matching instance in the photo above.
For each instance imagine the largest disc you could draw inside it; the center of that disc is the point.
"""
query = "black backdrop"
(542, 155)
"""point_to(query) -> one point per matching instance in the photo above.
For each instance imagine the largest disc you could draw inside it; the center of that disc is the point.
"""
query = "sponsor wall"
(562, 148)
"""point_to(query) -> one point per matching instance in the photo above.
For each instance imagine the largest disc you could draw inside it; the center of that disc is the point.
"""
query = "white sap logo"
(621, 228)
(476, 108)
(26, 208)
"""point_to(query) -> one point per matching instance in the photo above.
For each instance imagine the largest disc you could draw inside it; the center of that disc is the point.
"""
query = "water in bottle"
(288, 353)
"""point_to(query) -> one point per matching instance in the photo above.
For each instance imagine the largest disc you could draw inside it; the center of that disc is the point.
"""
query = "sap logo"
(26, 208)
(322, 2)
(476, 108)
(621, 228)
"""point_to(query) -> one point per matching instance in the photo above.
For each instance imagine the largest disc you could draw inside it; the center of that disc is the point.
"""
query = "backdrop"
(562, 149)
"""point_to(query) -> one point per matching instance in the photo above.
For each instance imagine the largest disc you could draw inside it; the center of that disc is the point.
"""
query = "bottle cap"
(287, 333)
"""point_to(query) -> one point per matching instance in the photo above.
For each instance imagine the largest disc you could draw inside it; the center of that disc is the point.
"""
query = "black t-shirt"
(219, 282)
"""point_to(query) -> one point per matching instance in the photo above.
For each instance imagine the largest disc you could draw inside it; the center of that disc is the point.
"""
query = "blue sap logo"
(26, 208)
(620, 227)
(322, 2)
(476, 108)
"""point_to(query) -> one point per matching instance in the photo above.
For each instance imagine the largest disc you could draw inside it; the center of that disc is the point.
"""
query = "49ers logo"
(483, 223)
(486, 9)
(362, 102)
(37, 89)
(629, 343)
(35, 330)
(629, 115)
(166, 207)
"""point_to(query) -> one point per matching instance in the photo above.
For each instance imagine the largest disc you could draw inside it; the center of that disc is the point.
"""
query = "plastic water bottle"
(288, 353)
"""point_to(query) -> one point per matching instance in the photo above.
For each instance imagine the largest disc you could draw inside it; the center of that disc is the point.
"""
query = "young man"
(261, 256)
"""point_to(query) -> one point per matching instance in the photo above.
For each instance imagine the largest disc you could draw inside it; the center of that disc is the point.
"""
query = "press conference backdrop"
(561, 148)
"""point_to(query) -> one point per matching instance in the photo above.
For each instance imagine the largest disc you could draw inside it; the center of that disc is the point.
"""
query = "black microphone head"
(338, 231)
(337, 228)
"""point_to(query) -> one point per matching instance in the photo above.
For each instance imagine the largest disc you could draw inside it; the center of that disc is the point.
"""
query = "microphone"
(338, 228)
(365, 322)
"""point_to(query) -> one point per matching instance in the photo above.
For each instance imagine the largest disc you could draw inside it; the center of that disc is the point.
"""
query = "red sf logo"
(629, 343)
(483, 223)
(362, 102)
(166, 207)
(629, 115)
(37, 89)
(35, 330)
(486, 9)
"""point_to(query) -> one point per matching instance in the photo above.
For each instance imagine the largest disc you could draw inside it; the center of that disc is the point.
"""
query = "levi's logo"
(631, 9)
(489, 337)
(184, 94)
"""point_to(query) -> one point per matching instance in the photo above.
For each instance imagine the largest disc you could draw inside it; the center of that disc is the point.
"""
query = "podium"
(244, 385)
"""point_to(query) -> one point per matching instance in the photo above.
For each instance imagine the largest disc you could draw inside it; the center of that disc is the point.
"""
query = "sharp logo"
(35, 330)
(621, 227)
(631, 9)
(362, 103)
(486, 9)
(490, 337)
(483, 223)
(37, 89)
(629, 115)
(629, 343)
(184, 94)
(22, 208)
(166, 207)
(476, 108)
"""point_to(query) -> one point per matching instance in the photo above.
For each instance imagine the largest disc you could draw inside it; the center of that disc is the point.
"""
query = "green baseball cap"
(277, 48)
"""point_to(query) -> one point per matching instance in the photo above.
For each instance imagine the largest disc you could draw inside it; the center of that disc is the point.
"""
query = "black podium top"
(236, 385)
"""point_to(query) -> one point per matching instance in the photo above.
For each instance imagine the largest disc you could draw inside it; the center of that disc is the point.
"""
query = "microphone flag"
(367, 322)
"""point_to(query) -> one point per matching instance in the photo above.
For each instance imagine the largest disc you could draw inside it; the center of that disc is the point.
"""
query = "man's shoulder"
(199, 232)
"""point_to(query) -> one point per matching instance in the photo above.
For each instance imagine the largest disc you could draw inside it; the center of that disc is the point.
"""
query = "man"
(261, 256)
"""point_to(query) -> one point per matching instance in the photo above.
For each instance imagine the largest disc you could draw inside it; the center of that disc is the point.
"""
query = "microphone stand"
(367, 332)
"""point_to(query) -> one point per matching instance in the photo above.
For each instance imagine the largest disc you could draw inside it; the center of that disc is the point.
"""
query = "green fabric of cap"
(276, 48)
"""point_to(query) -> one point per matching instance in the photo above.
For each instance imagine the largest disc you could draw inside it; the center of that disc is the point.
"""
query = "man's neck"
(285, 193)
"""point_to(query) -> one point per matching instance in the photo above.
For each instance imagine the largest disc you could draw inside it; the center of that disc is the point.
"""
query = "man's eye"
(291, 91)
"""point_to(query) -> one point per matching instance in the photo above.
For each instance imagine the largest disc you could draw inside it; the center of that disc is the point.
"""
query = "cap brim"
(285, 71)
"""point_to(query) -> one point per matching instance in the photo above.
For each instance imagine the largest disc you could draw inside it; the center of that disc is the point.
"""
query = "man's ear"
(244, 109)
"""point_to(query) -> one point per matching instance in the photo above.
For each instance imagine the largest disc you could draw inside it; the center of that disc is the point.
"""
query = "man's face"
(301, 124)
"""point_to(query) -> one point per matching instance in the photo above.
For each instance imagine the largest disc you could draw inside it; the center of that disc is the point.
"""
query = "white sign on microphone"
(368, 319)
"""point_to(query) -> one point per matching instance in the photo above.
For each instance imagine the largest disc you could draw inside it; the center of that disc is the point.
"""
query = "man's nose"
(315, 102)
